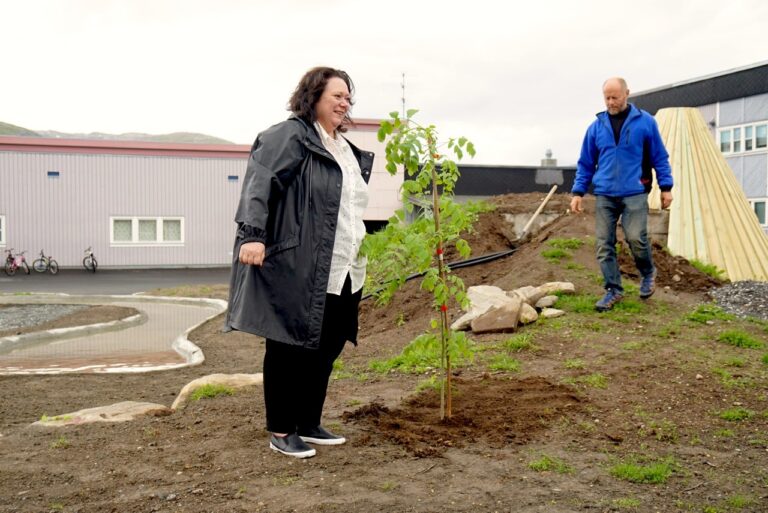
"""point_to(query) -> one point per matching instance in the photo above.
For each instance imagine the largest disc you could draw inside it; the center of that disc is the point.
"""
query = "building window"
(761, 136)
(725, 141)
(2, 230)
(147, 231)
(744, 138)
(758, 205)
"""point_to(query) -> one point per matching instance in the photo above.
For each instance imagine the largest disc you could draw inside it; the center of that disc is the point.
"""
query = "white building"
(140, 204)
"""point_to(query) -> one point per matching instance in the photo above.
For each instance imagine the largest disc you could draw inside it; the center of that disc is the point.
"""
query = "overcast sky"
(514, 77)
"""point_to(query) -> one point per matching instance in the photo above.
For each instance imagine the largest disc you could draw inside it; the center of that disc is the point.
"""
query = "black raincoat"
(290, 196)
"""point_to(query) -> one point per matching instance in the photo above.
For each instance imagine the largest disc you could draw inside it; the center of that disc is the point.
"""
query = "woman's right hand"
(252, 253)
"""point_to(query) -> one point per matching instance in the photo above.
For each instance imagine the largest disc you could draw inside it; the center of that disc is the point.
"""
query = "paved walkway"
(156, 340)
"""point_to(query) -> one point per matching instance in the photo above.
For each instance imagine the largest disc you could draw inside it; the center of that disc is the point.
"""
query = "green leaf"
(410, 113)
(394, 114)
(471, 149)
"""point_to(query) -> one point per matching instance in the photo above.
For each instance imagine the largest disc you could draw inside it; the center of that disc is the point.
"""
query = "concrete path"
(158, 343)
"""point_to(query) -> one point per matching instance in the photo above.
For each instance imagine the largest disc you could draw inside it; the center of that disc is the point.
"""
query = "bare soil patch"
(642, 382)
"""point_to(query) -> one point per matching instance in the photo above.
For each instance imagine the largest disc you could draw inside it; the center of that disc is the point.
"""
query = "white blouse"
(350, 229)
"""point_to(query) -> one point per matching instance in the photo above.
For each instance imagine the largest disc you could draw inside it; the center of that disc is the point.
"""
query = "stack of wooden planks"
(710, 219)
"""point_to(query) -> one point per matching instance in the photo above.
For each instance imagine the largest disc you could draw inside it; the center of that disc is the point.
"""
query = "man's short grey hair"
(621, 81)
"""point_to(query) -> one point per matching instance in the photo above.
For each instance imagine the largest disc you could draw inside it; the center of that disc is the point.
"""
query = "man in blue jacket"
(619, 150)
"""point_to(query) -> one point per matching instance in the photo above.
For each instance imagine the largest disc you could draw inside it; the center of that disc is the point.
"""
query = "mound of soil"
(495, 410)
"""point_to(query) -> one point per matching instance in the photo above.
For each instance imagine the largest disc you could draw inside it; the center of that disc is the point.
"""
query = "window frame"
(3, 229)
(744, 144)
(764, 201)
(159, 233)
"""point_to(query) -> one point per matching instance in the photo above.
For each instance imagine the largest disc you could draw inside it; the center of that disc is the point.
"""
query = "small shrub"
(210, 391)
(736, 414)
(739, 338)
(547, 463)
(652, 473)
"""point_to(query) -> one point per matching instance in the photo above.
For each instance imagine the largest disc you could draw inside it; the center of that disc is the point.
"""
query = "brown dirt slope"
(644, 384)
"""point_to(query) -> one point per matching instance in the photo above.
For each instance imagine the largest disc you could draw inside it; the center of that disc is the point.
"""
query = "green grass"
(210, 391)
(725, 433)
(765, 359)
(423, 354)
(547, 464)
(577, 303)
(60, 443)
(504, 363)
(571, 244)
(709, 269)
(574, 363)
(739, 338)
(555, 255)
(651, 473)
(626, 503)
(709, 312)
(736, 414)
(519, 343)
(739, 501)
(595, 380)
(735, 362)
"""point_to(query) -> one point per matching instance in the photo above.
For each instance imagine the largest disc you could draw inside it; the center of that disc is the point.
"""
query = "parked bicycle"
(14, 262)
(45, 263)
(89, 262)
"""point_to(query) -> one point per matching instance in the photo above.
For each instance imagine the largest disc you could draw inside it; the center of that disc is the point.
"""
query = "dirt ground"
(643, 383)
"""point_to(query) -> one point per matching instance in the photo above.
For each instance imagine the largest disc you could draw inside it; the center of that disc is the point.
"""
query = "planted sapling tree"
(403, 249)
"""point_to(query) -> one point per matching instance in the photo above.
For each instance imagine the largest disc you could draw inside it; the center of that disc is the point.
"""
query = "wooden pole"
(536, 214)
(445, 388)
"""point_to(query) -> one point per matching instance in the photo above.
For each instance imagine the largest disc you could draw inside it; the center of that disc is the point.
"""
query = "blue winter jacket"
(622, 169)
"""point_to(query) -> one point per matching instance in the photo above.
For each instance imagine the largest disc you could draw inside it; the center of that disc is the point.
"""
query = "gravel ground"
(23, 316)
(743, 298)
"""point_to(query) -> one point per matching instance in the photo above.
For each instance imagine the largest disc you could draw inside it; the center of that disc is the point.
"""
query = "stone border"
(191, 353)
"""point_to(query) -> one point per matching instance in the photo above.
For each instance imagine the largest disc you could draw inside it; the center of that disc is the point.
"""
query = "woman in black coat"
(297, 275)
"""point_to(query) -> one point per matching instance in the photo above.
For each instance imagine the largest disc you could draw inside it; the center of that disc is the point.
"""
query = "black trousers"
(296, 378)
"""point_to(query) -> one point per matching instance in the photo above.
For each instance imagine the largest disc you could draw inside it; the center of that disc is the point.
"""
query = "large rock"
(546, 302)
(481, 299)
(528, 314)
(229, 380)
(528, 294)
(551, 313)
(552, 287)
(499, 318)
(118, 412)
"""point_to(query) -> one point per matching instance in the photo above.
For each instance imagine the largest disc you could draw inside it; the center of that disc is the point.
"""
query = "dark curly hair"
(310, 89)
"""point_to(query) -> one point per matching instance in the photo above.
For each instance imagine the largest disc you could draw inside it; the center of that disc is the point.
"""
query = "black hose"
(490, 257)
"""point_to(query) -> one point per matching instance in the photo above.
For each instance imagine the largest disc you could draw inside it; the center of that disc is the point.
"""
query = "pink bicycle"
(14, 262)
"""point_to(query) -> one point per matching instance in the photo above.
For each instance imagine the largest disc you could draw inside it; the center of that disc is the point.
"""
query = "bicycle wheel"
(25, 267)
(10, 269)
(95, 263)
(53, 266)
(89, 263)
(39, 265)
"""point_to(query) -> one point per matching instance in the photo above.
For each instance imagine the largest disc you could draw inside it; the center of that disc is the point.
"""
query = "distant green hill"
(176, 137)
(9, 129)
